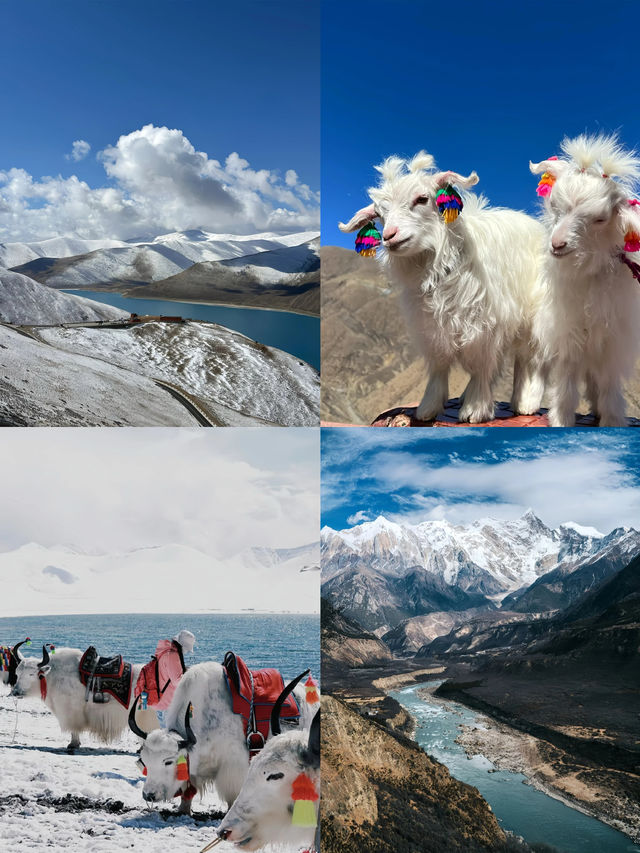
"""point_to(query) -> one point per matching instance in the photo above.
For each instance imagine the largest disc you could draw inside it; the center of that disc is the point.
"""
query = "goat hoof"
(475, 416)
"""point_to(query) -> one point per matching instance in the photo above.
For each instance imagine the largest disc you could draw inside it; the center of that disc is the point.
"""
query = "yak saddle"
(105, 677)
(253, 695)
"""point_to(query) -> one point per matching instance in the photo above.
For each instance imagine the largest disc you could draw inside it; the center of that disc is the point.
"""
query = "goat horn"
(275, 713)
(45, 658)
(135, 728)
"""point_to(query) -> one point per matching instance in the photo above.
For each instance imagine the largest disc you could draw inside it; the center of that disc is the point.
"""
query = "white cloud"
(358, 517)
(589, 487)
(291, 178)
(160, 184)
(79, 150)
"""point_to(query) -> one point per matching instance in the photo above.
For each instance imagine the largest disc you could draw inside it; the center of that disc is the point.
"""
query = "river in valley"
(519, 807)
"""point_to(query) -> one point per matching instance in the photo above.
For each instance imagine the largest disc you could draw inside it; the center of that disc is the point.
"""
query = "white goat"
(469, 288)
(589, 323)
(263, 811)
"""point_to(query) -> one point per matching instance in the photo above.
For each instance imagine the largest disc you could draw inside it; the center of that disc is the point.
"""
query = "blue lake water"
(520, 809)
(288, 642)
(294, 333)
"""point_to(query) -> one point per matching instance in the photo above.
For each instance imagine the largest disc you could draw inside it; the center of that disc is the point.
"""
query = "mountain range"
(381, 573)
(39, 579)
(267, 270)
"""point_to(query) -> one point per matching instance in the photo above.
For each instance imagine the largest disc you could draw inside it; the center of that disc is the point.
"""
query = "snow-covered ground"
(42, 386)
(90, 801)
(216, 364)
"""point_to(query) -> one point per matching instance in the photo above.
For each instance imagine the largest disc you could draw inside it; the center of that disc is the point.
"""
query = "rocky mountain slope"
(345, 643)
(382, 794)
(407, 638)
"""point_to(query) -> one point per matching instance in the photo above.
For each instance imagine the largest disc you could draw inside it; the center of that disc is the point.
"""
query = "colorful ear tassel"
(546, 181)
(632, 241)
(367, 240)
(5, 660)
(182, 769)
(449, 203)
(304, 795)
(312, 691)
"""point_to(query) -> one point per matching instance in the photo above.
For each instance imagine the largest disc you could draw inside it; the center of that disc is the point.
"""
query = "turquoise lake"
(297, 334)
(520, 808)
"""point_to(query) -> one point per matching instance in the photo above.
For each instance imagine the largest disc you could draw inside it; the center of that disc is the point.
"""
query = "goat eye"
(600, 221)
(273, 776)
(422, 199)
(168, 762)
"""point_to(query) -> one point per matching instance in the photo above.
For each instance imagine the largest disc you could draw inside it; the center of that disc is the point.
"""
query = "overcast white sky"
(220, 491)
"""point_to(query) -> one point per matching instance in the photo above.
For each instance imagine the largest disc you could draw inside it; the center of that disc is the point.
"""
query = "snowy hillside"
(217, 365)
(24, 301)
(65, 580)
(41, 386)
(15, 254)
(169, 255)
(90, 801)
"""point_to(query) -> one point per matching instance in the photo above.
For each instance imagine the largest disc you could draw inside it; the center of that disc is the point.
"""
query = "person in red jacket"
(158, 680)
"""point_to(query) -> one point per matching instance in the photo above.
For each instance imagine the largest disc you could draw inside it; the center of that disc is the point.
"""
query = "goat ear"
(554, 166)
(444, 178)
(364, 215)
(44, 670)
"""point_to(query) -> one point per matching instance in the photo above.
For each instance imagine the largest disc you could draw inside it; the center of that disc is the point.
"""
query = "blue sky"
(232, 77)
(481, 86)
(591, 477)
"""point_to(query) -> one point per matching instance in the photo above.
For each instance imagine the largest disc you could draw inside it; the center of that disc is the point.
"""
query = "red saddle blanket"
(255, 692)
(105, 675)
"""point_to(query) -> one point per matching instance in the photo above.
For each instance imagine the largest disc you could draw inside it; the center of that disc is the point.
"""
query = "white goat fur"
(66, 698)
(220, 756)
(469, 289)
(589, 323)
(262, 810)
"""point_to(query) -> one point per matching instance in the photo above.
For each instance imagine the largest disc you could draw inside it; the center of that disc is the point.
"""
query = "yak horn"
(45, 658)
(275, 713)
(14, 650)
(189, 739)
(135, 728)
(314, 738)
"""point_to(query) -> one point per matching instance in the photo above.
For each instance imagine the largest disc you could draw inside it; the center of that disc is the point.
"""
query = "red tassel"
(43, 687)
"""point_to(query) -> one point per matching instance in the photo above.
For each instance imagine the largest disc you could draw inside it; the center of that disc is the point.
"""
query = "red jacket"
(159, 678)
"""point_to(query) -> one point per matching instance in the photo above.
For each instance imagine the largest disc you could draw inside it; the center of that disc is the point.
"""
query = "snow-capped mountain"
(158, 579)
(371, 569)
(512, 553)
(72, 265)
(15, 254)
